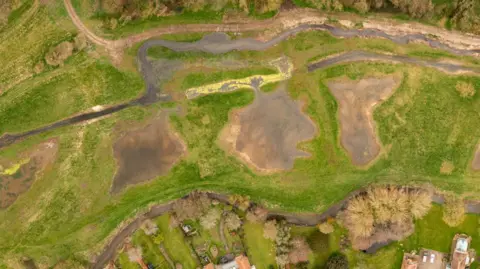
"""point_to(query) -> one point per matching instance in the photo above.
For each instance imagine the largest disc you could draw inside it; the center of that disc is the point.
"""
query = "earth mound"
(16, 179)
(146, 153)
(356, 101)
(265, 134)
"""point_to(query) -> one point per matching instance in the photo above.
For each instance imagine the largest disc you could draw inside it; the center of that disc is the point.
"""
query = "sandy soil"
(266, 133)
(357, 100)
(476, 160)
(12, 186)
(146, 153)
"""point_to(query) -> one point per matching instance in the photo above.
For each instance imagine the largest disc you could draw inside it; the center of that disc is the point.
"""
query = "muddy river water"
(218, 43)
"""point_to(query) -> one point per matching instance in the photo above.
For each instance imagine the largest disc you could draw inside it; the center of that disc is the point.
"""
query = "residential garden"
(201, 230)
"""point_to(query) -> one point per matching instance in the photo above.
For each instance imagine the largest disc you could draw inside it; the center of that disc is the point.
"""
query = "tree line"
(460, 14)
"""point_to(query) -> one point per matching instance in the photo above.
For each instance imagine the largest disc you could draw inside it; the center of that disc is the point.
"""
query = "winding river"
(218, 43)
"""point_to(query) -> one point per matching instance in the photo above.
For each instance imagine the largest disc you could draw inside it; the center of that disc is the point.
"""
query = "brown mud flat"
(476, 159)
(12, 186)
(266, 133)
(146, 153)
(356, 100)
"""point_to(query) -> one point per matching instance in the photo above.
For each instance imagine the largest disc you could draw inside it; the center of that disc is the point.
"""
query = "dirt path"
(221, 231)
(302, 19)
(165, 255)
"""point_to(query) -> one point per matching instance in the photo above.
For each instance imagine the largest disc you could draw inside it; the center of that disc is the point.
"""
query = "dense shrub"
(325, 227)
(337, 261)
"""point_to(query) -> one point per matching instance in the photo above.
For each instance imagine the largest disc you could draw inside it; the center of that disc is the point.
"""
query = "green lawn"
(322, 245)
(431, 232)
(30, 100)
(261, 251)
(125, 262)
(150, 251)
(57, 94)
(176, 245)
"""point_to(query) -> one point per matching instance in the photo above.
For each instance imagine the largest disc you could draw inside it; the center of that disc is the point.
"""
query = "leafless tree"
(270, 230)
(232, 221)
(299, 251)
(210, 219)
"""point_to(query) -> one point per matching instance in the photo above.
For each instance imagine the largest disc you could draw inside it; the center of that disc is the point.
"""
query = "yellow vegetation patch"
(14, 168)
(283, 65)
(465, 89)
(447, 168)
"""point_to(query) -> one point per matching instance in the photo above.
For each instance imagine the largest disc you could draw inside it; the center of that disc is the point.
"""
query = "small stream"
(218, 43)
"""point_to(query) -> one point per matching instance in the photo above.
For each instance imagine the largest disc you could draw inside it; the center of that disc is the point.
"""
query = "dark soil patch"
(146, 153)
(476, 160)
(12, 186)
(357, 100)
(266, 133)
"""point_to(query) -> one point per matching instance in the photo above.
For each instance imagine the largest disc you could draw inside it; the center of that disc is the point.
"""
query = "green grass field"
(68, 213)
(29, 100)
(430, 233)
(261, 250)
(150, 251)
(175, 244)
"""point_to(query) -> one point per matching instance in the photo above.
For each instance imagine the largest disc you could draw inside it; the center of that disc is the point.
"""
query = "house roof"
(462, 245)
(410, 261)
(209, 266)
(459, 260)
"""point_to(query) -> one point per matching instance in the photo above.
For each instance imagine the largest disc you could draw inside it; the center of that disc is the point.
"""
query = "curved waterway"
(301, 219)
(218, 43)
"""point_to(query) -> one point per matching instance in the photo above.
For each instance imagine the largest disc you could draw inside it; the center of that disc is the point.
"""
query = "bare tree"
(210, 219)
(359, 217)
(257, 214)
(270, 230)
(420, 203)
(453, 211)
(300, 250)
(241, 202)
(232, 221)
(191, 207)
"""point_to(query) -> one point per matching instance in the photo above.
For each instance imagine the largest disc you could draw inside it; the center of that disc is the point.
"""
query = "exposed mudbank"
(146, 153)
(265, 134)
(357, 100)
(16, 179)
(359, 56)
